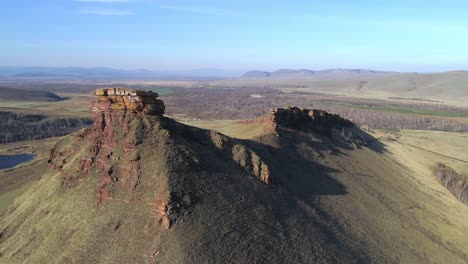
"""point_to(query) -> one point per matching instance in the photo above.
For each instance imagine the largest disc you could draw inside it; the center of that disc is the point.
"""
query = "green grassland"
(401, 108)
(7, 198)
(16, 181)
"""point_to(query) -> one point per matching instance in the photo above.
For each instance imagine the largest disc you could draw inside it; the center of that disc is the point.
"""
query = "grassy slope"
(419, 151)
(394, 200)
(390, 208)
(16, 181)
(197, 169)
(432, 147)
(233, 128)
(392, 205)
(68, 225)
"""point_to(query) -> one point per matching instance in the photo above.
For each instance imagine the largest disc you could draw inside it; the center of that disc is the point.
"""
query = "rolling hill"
(446, 87)
(105, 72)
(304, 73)
(13, 94)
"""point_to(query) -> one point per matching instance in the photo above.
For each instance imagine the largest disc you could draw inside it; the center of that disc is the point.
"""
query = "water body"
(9, 161)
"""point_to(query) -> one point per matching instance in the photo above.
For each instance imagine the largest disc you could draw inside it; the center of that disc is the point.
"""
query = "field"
(425, 149)
(76, 106)
(446, 88)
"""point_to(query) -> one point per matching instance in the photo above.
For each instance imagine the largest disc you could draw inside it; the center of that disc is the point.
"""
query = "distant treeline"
(248, 103)
(17, 127)
(397, 121)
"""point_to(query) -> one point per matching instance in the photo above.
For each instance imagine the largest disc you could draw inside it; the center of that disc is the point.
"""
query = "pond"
(9, 161)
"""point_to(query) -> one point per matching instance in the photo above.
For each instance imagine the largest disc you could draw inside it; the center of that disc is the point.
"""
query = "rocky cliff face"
(450, 179)
(137, 101)
(112, 143)
(307, 119)
(320, 123)
(111, 149)
(137, 160)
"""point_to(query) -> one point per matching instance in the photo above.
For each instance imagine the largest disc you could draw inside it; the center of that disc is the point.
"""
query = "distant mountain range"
(289, 73)
(103, 72)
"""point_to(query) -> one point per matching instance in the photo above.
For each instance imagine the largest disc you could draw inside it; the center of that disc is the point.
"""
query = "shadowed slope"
(119, 187)
(139, 188)
(369, 191)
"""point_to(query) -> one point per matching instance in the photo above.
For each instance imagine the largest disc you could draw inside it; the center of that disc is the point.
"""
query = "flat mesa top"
(124, 92)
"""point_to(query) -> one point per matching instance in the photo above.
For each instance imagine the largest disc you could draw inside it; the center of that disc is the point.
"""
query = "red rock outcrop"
(112, 142)
(304, 119)
(128, 99)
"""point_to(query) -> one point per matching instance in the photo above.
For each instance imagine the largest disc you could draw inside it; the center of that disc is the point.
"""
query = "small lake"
(9, 161)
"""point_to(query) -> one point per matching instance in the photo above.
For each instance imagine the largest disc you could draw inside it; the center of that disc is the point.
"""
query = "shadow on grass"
(295, 158)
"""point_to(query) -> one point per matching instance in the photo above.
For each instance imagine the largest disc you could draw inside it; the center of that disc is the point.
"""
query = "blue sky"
(190, 34)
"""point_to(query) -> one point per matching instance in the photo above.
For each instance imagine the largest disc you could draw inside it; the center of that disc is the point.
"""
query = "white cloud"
(106, 12)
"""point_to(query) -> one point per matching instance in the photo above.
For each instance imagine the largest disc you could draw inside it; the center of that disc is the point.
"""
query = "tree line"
(249, 103)
(17, 127)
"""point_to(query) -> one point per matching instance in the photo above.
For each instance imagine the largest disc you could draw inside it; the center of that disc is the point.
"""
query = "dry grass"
(76, 106)
(430, 147)
(439, 211)
(448, 88)
(231, 128)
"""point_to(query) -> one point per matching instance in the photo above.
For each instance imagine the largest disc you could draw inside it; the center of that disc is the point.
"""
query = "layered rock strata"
(127, 99)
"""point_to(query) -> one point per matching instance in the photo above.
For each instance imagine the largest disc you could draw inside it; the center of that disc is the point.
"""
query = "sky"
(400, 35)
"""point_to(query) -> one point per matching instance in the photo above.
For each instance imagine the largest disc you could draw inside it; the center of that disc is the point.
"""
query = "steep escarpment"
(138, 187)
(99, 202)
(307, 119)
(335, 130)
